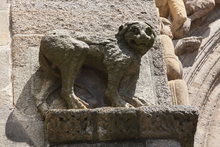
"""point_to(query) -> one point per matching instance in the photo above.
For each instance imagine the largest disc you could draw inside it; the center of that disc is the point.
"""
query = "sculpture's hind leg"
(48, 86)
(68, 76)
(45, 83)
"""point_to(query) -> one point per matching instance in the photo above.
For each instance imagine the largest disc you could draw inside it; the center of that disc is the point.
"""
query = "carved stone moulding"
(111, 124)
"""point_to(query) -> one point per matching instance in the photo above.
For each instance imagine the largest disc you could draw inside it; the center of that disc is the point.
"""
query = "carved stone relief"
(138, 84)
(63, 55)
(178, 88)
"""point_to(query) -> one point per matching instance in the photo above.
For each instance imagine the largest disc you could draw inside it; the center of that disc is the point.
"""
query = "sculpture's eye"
(135, 30)
(148, 31)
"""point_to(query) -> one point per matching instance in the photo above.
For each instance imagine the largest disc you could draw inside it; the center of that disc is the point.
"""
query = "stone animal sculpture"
(63, 53)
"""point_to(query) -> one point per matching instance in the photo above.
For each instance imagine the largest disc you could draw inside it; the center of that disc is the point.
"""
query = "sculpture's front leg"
(114, 78)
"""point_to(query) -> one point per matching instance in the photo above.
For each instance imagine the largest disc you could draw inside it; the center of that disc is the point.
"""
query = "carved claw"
(127, 105)
(84, 103)
(137, 102)
(43, 108)
(78, 103)
(118, 102)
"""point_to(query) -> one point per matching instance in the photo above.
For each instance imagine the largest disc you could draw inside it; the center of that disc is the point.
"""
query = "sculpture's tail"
(47, 66)
(45, 85)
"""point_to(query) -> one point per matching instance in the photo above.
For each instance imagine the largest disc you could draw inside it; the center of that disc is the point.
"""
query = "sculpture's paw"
(122, 103)
(83, 104)
(137, 102)
(78, 104)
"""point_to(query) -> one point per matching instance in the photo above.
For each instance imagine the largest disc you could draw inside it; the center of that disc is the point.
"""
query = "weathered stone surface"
(30, 20)
(24, 130)
(187, 45)
(177, 11)
(201, 70)
(117, 124)
(4, 24)
(5, 63)
(198, 8)
(175, 122)
(145, 143)
(96, 17)
(178, 14)
(165, 27)
(179, 92)
(163, 97)
(122, 123)
(201, 73)
(6, 97)
(75, 125)
(119, 58)
(162, 143)
(163, 8)
(174, 66)
(25, 62)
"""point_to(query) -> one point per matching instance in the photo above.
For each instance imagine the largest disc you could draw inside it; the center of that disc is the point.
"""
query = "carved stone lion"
(64, 55)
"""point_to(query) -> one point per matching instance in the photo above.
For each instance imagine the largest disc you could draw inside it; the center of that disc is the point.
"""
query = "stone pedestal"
(116, 124)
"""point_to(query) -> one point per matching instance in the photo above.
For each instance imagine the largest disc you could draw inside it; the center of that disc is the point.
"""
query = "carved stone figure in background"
(165, 27)
(178, 87)
(64, 55)
(179, 92)
(188, 45)
(177, 11)
(174, 66)
(198, 8)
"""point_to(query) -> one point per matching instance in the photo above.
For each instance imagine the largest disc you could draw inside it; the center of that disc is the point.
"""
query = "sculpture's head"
(138, 35)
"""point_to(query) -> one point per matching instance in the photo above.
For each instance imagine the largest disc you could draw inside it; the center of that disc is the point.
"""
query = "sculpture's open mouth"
(137, 43)
(133, 42)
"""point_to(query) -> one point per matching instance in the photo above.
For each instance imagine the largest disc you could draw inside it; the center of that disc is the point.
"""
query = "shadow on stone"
(25, 123)
(15, 131)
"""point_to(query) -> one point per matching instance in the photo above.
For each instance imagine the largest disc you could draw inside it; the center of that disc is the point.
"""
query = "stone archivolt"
(179, 28)
(200, 59)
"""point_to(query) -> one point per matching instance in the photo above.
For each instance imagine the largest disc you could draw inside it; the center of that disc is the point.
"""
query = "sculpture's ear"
(120, 28)
(120, 31)
(151, 28)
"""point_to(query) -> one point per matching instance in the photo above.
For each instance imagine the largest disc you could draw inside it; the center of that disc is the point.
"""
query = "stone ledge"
(109, 124)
